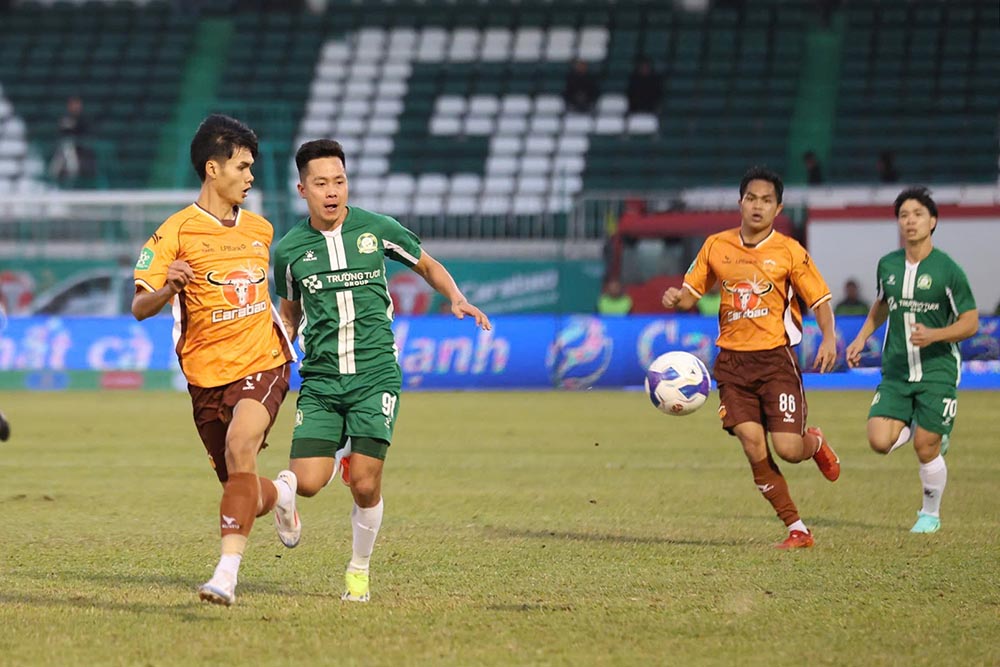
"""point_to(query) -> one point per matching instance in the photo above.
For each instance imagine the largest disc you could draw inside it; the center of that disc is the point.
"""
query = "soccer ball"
(677, 383)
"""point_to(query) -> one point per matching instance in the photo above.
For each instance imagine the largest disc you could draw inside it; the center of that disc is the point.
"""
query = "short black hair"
(218, 137)
(921, 194)
(762, 174)
(314, 150)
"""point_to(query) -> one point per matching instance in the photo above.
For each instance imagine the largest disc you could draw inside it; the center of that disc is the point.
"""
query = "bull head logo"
(747, 293)
(239, 286)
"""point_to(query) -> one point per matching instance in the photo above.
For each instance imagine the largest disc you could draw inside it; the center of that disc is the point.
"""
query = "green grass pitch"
(520, 529)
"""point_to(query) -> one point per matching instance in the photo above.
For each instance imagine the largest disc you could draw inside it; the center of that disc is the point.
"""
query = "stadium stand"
(921, 79)
(451, 113)
(123, 60)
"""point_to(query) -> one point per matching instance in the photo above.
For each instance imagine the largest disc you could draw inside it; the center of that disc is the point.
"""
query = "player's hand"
(826, 356)
(921, 336)
(853, 353)
(671, 297)
(179, 274)
(462, 308)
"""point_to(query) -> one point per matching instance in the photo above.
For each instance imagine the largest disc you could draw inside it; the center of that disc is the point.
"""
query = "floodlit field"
(521, 528)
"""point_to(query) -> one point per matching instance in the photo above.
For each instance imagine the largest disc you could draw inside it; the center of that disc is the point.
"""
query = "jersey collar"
(238, 210)
(758, 243)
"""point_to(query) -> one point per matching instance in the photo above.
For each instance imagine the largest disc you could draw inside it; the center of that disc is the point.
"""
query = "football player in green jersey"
(330, 276)
(926, 298)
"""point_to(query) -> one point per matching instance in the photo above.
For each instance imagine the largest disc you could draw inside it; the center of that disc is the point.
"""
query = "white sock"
(904, 437)
(285, 495)
(799, 526)
(365, 522)
(934, 477)
(229, 566)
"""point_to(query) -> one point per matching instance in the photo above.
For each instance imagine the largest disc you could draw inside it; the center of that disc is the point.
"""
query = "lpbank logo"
(580, 353)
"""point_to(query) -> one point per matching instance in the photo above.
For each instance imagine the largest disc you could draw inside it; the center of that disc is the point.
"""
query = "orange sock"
(268, 496)
(239, 504)
(773, 486)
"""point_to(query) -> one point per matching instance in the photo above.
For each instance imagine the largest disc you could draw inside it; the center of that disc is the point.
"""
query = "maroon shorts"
(213, 409)
(763, 387)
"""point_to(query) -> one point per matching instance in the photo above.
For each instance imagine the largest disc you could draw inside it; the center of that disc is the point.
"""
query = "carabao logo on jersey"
(367, 243)
(239, 288)
(746, 296)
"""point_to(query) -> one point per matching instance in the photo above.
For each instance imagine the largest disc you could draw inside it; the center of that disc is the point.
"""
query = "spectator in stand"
(645, 88)
(581, 88)
(614, 300)
(71, 158)
(852, 303)
(814, 173)
(887, 168)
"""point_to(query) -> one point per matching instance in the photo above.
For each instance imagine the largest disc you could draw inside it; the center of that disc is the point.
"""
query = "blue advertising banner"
(440, 352)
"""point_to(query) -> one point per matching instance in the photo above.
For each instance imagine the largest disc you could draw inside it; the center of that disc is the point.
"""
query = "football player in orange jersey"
(762, 273)
(210, 262)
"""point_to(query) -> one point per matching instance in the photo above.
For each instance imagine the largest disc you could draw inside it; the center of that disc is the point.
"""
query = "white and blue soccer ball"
(677, 383)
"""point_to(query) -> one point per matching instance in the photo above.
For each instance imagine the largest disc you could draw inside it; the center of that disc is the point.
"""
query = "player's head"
(916, 212)
(762, 174)
(222, 152)
(760, 198)
(323, 180)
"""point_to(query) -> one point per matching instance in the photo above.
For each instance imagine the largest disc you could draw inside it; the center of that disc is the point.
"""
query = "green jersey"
(933, 292)
(339, 278)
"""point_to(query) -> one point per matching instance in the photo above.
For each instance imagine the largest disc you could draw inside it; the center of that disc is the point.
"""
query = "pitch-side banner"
(439, 352)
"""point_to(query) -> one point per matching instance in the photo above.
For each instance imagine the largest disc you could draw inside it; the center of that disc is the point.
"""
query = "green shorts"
(933, 406)
(332, 409)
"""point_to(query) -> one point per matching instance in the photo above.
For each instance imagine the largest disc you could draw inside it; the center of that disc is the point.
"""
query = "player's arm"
(290, 313)
(964, 327)
(146, 303)
(826, 355)
(877, 315)
(441, 280)
(680, 298)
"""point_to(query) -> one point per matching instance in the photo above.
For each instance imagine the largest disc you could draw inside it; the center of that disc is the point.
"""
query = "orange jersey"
(758, 284)
(225, 327)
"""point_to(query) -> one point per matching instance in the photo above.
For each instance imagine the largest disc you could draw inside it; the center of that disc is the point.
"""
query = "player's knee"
(879, 445)
(307, 488)
(366, 491)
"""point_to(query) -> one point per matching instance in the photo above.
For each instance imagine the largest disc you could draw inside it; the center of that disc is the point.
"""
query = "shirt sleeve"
(160, 250)
(699, 277)
(960, 292)
(400, 243)
(284, 282)
(806, 278)
(879, 285)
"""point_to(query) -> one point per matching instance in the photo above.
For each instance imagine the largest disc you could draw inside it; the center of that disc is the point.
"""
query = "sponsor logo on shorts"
(298, 418)
(876, 398)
